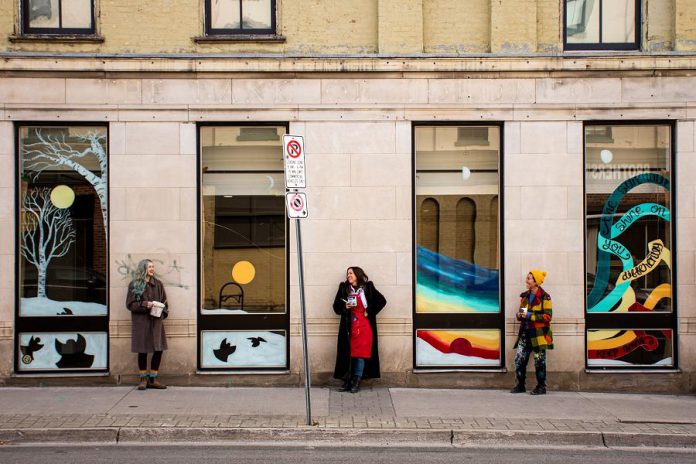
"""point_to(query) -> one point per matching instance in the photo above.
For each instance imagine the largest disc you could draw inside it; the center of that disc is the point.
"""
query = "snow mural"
(48, 233)
(63, 350)
(62, 239)
(229, 348)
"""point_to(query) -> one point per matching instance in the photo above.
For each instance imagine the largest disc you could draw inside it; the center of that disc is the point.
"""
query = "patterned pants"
(522, 353)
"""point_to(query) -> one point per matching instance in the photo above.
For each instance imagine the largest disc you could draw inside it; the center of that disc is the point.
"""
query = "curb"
(346, 437)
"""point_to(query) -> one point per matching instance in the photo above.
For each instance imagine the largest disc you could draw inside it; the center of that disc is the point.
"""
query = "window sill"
(241, 38)
(57, 38)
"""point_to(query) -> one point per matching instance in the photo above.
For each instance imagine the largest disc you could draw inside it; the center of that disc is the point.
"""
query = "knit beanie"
(538, 275)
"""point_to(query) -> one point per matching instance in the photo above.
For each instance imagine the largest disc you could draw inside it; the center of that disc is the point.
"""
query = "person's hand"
(348, 306)
(149, 305)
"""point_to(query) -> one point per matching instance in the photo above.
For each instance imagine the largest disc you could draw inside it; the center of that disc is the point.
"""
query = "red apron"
(360, 331)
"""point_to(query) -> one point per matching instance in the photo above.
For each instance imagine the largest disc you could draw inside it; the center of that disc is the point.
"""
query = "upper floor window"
(602, 25)
(240, 17)
(58, 17)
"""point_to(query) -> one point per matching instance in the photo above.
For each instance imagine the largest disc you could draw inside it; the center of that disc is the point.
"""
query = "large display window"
(62, 315)
(243, 319)
(629, 246)
(458, 321)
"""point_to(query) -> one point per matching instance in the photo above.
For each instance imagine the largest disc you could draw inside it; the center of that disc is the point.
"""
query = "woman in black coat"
(357, 353)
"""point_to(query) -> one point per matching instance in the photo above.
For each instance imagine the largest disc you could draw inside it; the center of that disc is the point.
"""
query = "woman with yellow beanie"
(535, 332)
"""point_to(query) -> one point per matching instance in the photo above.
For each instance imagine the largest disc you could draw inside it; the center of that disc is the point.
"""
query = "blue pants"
(358, 366)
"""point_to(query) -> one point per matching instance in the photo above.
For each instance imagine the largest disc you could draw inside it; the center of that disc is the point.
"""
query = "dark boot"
(519, 388)
(539, 390)
(143, 383)
(346, 384)
(355, 384)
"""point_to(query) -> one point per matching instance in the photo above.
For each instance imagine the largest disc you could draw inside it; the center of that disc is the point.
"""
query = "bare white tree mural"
(47, 232)
(52, 151)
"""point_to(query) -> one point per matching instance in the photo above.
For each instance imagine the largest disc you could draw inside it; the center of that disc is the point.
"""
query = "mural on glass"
(457, 347)
(243, 348)
(628, 234)
(457, 268)
(243, 249)
(61, 350)
(63, 221)
(636, 348)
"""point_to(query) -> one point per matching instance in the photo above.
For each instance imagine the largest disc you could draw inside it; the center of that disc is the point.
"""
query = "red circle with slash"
(294, 149)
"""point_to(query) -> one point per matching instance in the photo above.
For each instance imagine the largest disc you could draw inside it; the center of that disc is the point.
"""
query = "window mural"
(243, 349)
(629, 244)
(457, 276)
(457, 347)
(243, 266)
(62, 231)
(46, 351)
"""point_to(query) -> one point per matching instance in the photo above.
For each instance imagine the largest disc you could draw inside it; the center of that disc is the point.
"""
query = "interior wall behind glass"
(242, 220)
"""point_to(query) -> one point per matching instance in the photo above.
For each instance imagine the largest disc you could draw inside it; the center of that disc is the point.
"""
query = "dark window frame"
(56, 31)
(241, 322)
(604, 46)
(461, 321)
(56, 324)
(210, 31)
(637, 321)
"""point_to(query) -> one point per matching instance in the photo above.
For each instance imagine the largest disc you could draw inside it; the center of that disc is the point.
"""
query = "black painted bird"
(66, 312)
(29, 350)
(73, 354)
(256, 341)
(224, 351)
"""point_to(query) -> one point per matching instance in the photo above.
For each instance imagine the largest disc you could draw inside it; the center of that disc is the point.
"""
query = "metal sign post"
(296, 206)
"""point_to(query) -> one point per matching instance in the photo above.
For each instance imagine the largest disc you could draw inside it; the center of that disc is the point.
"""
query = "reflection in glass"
(76, 14)
(256, 14)
(629, 210)
(617, 18)
(243, 219)
(457, 257)
(225, 14)
(63, 221)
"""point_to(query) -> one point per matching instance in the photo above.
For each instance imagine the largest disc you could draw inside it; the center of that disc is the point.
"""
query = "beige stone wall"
(358, 140)
(330, 27)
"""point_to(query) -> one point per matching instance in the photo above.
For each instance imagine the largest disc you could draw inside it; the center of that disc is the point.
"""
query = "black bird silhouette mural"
(28, 351)
(66, 312)
(224, 351)
(73, 353)
(256, 341)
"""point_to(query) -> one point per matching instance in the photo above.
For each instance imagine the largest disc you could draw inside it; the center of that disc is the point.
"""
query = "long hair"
(359, 274)
(140, 277)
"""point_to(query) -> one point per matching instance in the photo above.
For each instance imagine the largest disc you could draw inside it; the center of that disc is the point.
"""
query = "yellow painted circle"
(62, 196)
(243, 272)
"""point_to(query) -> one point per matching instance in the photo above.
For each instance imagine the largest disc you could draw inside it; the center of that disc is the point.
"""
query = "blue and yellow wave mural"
(449, 285)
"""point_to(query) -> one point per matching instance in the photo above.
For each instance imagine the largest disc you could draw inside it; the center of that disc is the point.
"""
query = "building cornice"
(499, 66)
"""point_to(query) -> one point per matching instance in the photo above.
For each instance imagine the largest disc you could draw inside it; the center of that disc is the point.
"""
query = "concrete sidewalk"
(374, 416)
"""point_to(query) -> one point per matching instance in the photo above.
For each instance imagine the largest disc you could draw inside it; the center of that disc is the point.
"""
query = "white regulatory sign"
(297, 205)
(294, 159)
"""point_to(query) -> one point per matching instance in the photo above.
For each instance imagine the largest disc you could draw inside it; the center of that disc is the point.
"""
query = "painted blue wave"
(452, 276)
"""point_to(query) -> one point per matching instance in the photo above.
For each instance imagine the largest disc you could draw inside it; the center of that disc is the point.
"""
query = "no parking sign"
(294, 159)
(296, 205)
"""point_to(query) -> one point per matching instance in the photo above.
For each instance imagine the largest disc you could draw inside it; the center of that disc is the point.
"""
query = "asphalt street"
(153, 454)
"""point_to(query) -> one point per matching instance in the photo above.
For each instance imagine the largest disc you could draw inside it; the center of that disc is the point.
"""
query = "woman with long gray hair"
(147, 303)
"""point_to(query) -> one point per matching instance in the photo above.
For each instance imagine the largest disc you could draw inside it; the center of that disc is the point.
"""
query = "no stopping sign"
(296, 203)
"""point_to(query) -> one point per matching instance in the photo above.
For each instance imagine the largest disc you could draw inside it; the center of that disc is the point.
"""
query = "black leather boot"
(539, 390)
(519, 388)
(355, 384)
(346, 384)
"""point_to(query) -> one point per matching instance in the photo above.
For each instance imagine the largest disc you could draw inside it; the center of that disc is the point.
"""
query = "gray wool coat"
(148, 332)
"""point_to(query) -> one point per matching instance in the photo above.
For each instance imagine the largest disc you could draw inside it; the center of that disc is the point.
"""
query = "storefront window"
(62, 314)
(629, 246)
(458, 321)
(243, 293)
